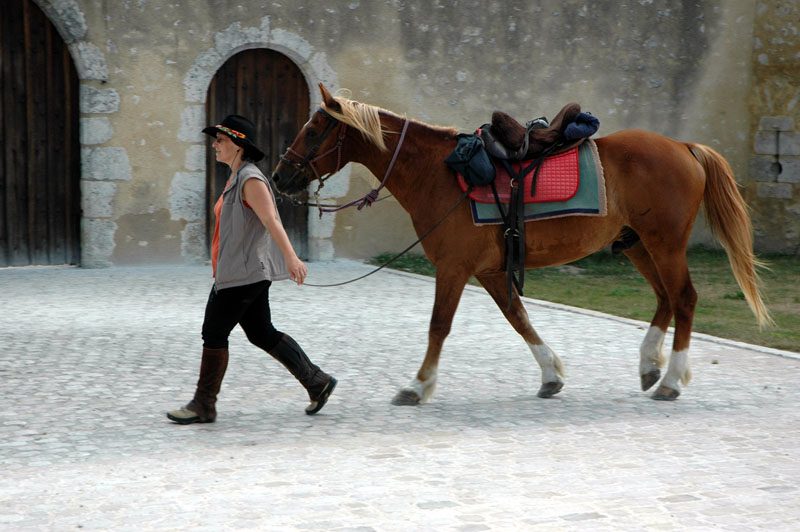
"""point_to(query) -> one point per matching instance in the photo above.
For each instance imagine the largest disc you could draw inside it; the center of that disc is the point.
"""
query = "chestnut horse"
(655, 186)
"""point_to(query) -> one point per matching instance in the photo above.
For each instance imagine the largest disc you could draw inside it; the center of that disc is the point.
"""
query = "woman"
(250, 250)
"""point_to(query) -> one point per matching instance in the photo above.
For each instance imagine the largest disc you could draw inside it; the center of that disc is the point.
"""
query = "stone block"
(195, 84)
(193, 119)
(320, 249)
(321, 72)
(67, 16)
(772, 142)
(187, 197)
(264, 26)
(96, 131)
(789, 143)
(209, 60)
(776, 123)
(790, 170)
(338, 185)
(775, 190)
(97, 242)
(198, 77)
(766, 142)
(320, 227)
(763, 169)
(193, 243)
(297, 48)
(97, 198)
(89, 61)
(106, 164)
(196, 158)
(235, 36)
(94, 100)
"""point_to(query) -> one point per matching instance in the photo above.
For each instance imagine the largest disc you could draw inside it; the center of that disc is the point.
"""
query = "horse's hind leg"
(449, 287)
(651, 357)
(517, 316)
(674, 274)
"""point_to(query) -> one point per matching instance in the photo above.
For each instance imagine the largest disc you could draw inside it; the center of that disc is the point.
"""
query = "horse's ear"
(328, 100)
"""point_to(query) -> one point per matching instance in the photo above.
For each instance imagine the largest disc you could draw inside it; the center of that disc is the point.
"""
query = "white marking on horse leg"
(678, 370)
(651, 355)
(552, 369)
(424, 389)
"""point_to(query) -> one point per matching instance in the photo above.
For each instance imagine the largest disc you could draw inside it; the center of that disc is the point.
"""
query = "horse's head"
(316, 151)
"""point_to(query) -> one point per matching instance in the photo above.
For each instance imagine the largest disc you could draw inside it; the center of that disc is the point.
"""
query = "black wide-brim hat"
(241, 131)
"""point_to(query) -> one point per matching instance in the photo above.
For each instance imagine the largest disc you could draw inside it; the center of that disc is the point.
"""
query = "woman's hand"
(297, 270)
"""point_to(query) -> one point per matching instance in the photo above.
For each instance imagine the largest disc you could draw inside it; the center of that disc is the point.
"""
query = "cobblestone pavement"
(90, 360)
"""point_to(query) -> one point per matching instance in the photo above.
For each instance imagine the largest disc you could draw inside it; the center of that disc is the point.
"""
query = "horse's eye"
(311, 134)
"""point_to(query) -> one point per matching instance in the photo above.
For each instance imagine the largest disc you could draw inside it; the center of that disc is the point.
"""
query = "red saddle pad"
(558, 180)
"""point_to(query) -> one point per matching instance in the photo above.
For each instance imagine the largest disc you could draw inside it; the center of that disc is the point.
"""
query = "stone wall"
(680, 68)
(773, 189)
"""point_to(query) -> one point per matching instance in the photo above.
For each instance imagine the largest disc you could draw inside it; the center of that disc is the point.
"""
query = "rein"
(280, 196)
(420, 239)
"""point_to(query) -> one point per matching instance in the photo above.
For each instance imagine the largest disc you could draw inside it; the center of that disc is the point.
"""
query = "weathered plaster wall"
(774, 187)
(680, 68)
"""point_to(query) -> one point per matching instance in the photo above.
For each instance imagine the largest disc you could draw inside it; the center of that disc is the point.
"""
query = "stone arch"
(187, 191)
(100, 166)
(70, 22)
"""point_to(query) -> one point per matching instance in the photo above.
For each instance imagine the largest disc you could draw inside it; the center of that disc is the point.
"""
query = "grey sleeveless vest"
(247, 252)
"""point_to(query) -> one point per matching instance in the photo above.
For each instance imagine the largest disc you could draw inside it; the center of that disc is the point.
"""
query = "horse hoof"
(549, 389)
(406, 398)
(665, 394)
(649, 379)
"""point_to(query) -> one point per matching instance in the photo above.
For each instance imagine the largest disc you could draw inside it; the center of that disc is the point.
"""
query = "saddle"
(507, 139)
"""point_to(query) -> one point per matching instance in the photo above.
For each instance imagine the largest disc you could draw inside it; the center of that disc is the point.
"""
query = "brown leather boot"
(317, 383)
(202, 408)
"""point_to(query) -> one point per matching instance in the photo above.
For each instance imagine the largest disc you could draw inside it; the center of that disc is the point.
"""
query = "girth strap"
(514, 223)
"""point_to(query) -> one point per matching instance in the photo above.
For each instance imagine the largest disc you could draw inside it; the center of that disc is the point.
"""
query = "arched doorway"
(267, 87)
(39, 144)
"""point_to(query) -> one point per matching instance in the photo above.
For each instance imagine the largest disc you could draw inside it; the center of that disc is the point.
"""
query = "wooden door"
(268, 88)
(39, 145)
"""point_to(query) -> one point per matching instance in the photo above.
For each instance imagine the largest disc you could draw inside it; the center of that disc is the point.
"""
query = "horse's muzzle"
(289, 180)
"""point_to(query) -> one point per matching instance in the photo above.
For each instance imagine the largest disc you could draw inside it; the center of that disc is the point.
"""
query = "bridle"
(309, 161)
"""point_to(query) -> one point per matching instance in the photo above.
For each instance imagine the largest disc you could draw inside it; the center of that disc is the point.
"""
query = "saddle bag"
(469, 158)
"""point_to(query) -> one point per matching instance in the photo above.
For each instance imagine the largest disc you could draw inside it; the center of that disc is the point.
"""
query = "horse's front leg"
(449, 287)
(517, 316)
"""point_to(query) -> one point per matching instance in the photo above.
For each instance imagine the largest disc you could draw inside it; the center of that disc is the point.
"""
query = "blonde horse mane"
(361, 116)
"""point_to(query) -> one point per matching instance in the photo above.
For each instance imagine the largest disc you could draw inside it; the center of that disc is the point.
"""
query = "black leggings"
(246, 305)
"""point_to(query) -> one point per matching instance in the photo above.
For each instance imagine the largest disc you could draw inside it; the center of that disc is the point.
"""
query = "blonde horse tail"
(727, 215)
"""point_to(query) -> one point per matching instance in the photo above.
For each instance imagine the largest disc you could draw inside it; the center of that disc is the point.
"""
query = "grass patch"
(611, 284)
(408, 263)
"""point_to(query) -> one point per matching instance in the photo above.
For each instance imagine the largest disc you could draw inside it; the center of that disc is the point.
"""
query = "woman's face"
(226, 150)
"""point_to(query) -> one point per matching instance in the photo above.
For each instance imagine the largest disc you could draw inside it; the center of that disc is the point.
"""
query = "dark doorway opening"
(269, 89)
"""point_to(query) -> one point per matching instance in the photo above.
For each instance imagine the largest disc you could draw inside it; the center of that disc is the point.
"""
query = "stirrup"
(316, 405)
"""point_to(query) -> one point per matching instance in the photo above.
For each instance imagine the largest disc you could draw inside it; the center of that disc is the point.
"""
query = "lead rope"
(281, 197)
(420, 239)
